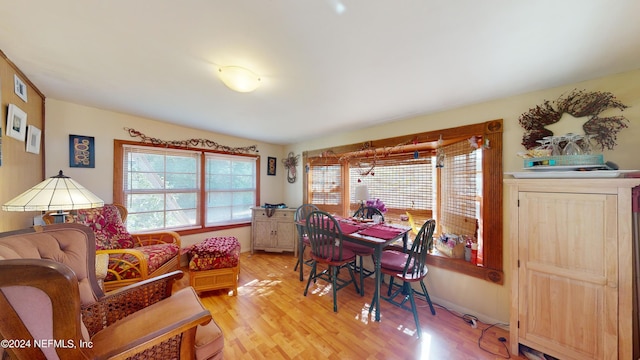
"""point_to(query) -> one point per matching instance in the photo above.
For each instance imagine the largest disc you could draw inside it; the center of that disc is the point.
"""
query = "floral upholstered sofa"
(132, 257)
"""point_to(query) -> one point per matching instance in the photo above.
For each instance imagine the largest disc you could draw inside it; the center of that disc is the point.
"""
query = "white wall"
(64, 118)
(464, 293)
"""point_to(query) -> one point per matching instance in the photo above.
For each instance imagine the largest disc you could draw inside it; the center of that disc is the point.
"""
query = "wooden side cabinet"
(572, 267)
(276, 233)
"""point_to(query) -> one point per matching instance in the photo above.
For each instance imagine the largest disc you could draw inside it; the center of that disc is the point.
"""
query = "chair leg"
(334, 285)
(312, 275)
(426, 296)
(373, 300)
(295, 268)
(414, 310)
(390, 285)
(353, 278)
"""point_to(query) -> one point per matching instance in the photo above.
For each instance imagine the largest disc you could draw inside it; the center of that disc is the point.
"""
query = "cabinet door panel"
(262, 235)
(568, 273)
(286, 235)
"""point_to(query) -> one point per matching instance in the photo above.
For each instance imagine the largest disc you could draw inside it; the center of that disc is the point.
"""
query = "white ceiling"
(326, 65)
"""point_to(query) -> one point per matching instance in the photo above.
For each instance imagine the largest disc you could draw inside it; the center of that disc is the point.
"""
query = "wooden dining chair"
(325, 238)
(301, 215)
(409, 268)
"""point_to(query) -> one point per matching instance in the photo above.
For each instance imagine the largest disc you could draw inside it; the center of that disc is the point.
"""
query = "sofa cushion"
(156, 255)
(107, 224)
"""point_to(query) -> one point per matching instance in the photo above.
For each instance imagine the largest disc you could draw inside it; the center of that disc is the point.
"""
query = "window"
(396, 181)
(183, 189)
(230, 187)
(461, 191)
(467, 191)
(326, 186)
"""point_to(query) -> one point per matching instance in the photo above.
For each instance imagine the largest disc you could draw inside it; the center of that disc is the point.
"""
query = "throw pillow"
(107, 224)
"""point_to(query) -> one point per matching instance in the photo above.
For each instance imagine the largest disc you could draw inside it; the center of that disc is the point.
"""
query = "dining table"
(376, 236)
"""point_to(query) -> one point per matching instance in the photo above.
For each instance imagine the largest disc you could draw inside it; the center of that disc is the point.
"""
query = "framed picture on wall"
(82, 151)
(1, 127)
(271, 165)
(16, 123)
(33, 139)
(20, 88)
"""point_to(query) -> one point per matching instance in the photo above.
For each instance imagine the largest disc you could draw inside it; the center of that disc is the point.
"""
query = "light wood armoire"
(572, 272)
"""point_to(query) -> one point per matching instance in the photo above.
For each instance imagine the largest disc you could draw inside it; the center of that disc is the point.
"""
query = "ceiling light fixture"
(239, 79)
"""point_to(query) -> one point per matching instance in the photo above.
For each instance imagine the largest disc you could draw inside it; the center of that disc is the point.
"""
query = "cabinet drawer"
(277, 215)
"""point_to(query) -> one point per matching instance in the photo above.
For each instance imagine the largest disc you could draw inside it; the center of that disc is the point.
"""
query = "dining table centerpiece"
(378, 204)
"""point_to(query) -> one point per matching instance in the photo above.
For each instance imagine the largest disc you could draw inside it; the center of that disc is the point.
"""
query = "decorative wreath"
(290, 162)
(578, 103)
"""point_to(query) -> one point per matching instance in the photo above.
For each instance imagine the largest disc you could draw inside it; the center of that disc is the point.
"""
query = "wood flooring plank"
(270, 318)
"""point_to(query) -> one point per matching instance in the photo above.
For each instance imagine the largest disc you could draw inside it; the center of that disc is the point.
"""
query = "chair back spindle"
(325, 236)
(301, 214)
(416, 265)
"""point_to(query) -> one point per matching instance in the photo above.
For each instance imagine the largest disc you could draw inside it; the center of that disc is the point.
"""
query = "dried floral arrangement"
(191, 143)
(290, 163)
(578, 103)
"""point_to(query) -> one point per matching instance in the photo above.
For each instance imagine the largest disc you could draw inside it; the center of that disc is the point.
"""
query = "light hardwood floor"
(270, 318)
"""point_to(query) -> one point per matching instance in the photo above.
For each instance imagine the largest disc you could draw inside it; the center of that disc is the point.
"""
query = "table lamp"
(362, 194)
(56, 193)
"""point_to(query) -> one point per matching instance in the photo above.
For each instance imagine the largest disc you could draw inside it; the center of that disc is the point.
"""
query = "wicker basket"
(456, 252)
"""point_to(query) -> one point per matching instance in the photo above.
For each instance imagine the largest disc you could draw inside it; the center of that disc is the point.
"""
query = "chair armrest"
(153, 238)
(127, 300)
(118, 262)
(60, 285)
(179, 314)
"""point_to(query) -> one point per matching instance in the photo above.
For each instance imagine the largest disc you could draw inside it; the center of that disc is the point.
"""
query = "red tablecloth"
(346, 226)
(381, 231)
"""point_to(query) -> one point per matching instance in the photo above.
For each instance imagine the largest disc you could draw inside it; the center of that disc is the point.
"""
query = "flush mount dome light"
(239, 79)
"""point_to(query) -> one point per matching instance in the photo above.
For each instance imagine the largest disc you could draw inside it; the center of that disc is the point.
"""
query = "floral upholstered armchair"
(132, 257)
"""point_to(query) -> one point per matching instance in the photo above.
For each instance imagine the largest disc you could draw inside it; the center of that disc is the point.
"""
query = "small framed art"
(33, 139)
(20, 88)
(82, 151)
(271, 165)
(16, 122)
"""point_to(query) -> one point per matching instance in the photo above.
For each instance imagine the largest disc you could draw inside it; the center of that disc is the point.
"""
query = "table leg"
(376, 261)
(405, 241)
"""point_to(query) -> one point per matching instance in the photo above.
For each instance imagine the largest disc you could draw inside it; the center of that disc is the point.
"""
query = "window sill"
(467, 268)
(213, 228)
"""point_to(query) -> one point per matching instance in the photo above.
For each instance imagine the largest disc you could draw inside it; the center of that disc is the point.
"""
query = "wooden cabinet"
(273, 233)
(572, 267)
